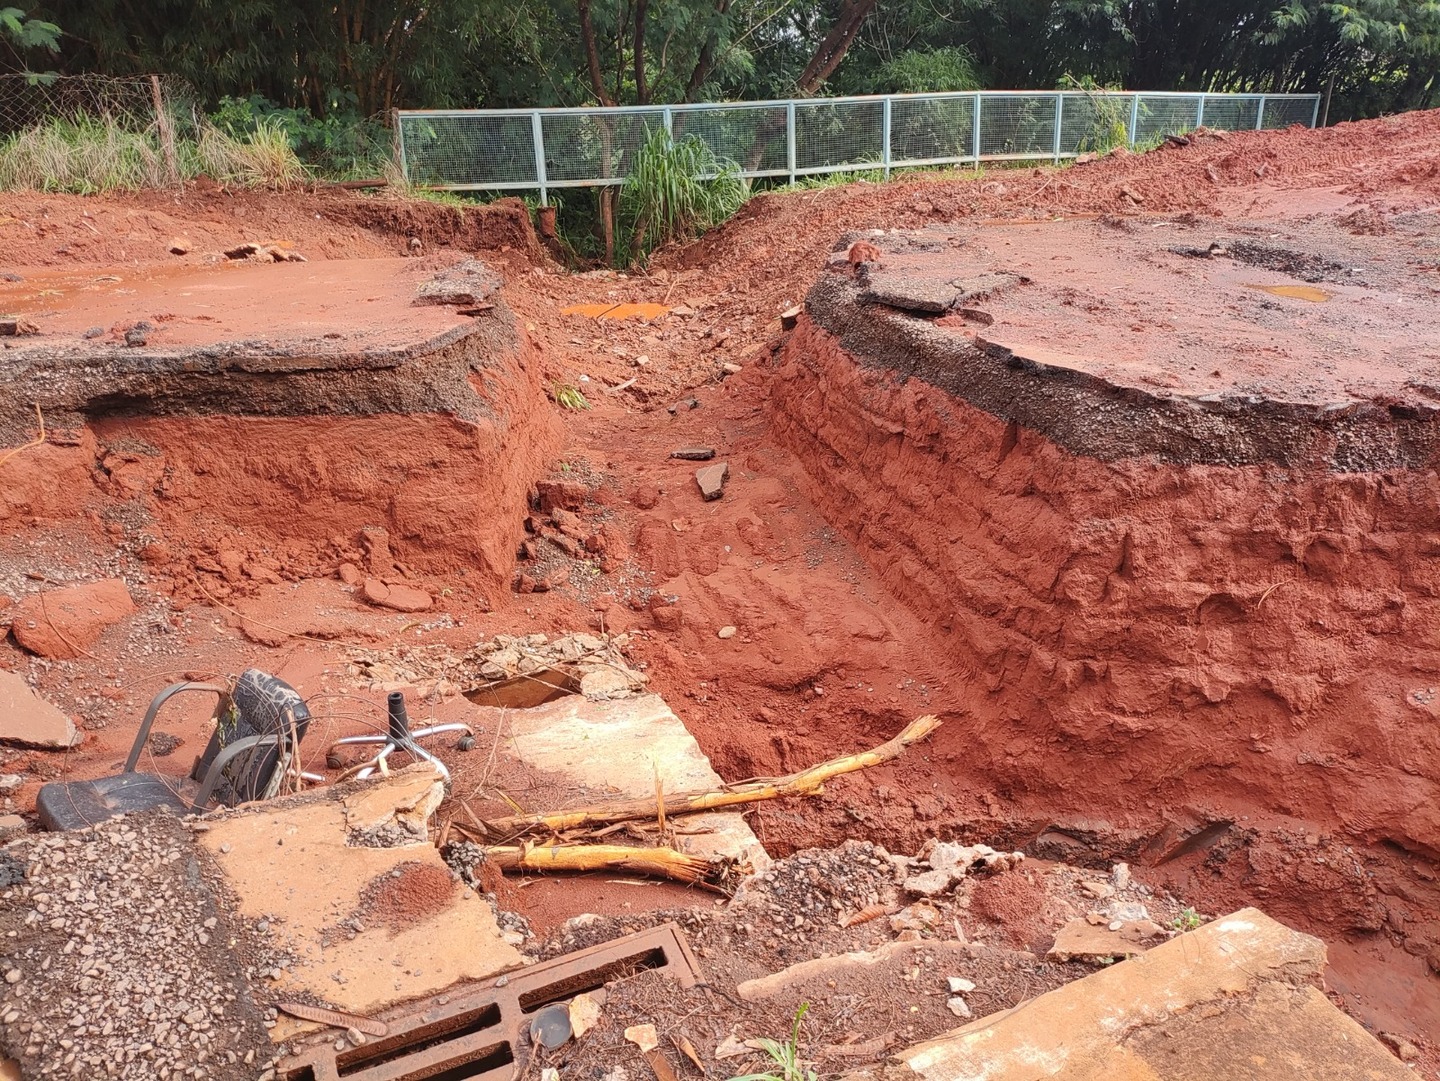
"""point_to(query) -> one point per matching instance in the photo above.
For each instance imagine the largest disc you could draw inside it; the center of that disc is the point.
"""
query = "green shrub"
(677, 188)
(343, 145)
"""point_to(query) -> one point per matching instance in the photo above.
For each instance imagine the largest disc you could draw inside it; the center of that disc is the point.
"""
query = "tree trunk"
(834, 46)
(642, 89)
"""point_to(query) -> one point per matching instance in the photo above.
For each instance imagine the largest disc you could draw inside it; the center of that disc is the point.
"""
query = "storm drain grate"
(477, 1033)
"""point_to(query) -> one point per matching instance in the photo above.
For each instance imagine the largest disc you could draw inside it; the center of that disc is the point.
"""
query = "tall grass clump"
(677, 188)
(261, 157)
(85, 154)
(81, 154)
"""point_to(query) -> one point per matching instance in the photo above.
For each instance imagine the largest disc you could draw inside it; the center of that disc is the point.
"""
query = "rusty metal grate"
(477, 1034)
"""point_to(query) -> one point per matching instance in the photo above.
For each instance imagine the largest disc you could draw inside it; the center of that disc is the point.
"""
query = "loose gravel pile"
(117, 961)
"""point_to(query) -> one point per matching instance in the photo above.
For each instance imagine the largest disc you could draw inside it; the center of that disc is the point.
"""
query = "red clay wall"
(1242, 638)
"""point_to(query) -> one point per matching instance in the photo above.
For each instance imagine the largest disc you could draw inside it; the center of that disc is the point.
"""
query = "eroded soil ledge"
(1227, 668)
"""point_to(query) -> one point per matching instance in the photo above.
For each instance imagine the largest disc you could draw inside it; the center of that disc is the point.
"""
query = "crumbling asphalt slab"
(1122, 345)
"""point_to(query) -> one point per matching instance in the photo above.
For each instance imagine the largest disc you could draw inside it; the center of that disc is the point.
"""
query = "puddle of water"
(618, 311)
(1295, 292)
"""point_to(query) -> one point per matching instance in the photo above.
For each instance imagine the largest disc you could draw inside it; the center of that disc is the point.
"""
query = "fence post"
(669, 121)
(167, 132)
(1134, 120)
(1260, 114)
(1315, 113)
(397, 136)
(1200, 112)
(790, 139)
(1059, 118)
(885, 136)
(975, 135)
(537, 135)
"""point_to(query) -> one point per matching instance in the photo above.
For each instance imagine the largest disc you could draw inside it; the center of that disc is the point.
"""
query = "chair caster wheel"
(465, 743)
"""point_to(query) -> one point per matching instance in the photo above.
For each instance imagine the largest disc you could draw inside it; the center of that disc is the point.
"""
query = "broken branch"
(805, 783)
(660, 862)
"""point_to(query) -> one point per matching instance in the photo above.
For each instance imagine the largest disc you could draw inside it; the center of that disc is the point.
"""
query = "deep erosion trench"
(1172, 611)
(1223, 672)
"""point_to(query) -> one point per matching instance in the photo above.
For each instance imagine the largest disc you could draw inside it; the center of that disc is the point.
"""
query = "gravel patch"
(117, 961)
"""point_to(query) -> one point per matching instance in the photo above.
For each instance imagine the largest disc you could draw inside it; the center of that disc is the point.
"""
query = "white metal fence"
(540, 149)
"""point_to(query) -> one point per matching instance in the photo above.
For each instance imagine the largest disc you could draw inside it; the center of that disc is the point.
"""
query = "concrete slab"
(292, 863)
(1232, 999)
(618, 746)
(29, 720)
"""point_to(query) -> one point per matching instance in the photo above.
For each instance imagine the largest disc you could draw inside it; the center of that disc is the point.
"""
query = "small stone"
(1120, 877)
(694, 454)
(726, 631)
(643, 1036)
(13, 976)
(94, 332)
(711, 480)
(959, 1007)
(959, 985)
(731, 368)
(355, 1036)
(791, 316)
(1404, 1050)
(401, 598)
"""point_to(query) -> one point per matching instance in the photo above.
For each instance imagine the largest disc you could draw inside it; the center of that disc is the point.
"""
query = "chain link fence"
(540, 149)
(134, 103)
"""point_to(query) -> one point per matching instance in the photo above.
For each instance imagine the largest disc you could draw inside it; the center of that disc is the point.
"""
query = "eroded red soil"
(1101, 694)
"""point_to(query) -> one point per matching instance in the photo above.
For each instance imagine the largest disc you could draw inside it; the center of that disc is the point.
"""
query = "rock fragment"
(28, 720)
(401, 598)
(711, 480)
(62, 623)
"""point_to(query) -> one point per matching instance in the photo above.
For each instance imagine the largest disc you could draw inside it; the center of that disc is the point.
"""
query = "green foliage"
(341, 145)
(920, 71)
(1188, 920)
(1109, 124)
(85, 155)
(569, 396)
(677, 188)
(24, 33)
(786, 1056)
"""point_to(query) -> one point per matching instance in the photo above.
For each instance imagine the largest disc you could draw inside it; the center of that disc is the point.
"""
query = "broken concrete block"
(929, 883)
(15, 327)
(605, 683)
(1079, 940)
(467, 283)
(61, 623)
(318, 874)
(1140, 1019)
(839, 967)
(711, 480)
(29, 720)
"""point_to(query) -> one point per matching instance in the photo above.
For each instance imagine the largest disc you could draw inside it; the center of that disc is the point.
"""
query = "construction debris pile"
(589, 664)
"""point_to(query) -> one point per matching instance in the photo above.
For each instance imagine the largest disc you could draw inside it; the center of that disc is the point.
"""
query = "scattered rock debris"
(593, 665)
